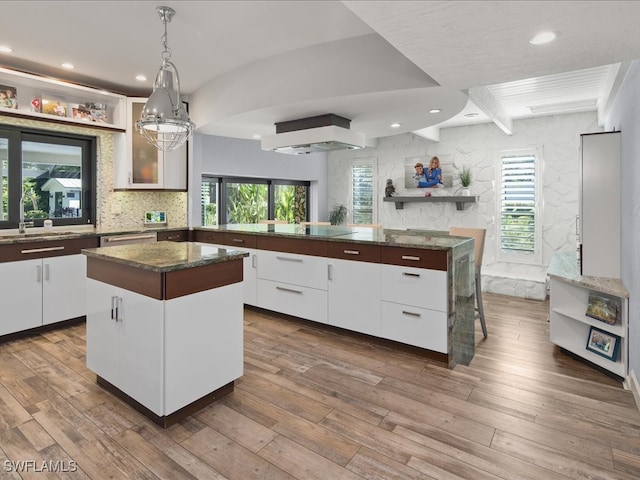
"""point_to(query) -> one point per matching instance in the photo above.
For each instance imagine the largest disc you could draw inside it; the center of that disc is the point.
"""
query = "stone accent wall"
(116, 209)
(557, 139)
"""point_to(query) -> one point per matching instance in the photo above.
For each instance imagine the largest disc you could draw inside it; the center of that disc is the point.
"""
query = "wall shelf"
(460, 201)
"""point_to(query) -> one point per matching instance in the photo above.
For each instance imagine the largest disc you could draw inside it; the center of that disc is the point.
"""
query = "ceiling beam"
(614, 79)
(492, 108)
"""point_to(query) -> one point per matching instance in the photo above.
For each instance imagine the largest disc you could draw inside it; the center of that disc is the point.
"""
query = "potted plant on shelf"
(464, 175)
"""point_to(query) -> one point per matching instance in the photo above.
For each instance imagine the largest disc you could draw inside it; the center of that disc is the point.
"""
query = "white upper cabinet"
(139, 165)
(47, 99)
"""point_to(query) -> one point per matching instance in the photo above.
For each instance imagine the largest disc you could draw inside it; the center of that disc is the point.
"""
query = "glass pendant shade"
(164, 121)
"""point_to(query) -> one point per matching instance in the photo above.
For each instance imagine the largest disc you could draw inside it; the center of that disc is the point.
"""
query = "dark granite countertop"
(427, 239)
(39, 234)
(564, 266)
(165, 256)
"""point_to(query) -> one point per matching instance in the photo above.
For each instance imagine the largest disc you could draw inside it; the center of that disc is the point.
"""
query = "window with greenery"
(47, 175)
(249, 200)
(362, 191)
(518, 207)
(209, 201)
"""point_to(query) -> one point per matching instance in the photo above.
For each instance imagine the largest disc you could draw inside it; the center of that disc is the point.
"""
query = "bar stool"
(274, 222)
(478, 235)
(315, 223)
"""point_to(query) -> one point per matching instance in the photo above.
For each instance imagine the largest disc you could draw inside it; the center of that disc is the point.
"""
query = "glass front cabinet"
(138, 165)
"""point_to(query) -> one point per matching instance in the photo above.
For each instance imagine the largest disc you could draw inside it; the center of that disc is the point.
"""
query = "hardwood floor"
(322, 404)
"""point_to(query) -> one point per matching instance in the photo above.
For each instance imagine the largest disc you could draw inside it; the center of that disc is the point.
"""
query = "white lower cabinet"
(414, 326)
(165, 354)
(293, 284)
(125, 336)
(354, 296)
(41, 291)
(296, 300)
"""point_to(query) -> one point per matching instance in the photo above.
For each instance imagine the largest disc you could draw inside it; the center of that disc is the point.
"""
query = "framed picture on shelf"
(8, 97)
(605, 309)
(603, 343)
(54, 106)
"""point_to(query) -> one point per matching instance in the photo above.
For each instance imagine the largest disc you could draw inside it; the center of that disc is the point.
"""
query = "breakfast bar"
(164, 324)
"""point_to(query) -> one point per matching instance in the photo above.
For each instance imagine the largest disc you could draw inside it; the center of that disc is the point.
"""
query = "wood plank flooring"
(317, 403)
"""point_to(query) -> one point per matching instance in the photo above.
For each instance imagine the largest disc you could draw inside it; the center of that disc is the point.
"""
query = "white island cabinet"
(164, 325)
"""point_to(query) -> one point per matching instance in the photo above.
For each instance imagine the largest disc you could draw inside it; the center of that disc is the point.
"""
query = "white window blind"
(518, 203)
(362, 192)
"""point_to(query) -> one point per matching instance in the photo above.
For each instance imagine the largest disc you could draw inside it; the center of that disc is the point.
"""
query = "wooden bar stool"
(315, 223)
(478, 235)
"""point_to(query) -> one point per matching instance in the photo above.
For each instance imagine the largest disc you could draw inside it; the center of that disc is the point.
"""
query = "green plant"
(337, 214)
(464, 175)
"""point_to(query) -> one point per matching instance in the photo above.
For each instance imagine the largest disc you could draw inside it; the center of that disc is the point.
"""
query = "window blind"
(518, 204)
(362, 192)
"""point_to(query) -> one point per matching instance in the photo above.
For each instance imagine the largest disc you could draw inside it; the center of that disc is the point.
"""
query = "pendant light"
(164, 121)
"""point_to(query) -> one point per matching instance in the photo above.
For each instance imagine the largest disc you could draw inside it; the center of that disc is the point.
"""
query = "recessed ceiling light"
(141, 78)
(435, 110)
(542, 38)
(68, 66)
(471, 115)
(5, 49)
(395, 125)
(255, 136)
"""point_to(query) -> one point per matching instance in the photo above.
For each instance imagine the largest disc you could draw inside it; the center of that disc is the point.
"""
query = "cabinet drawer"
(293, 245)
(420, 327)
(46, 249)
(354, 251)
(209, 236)
(175, 236)
(240, 240)
(414, 257)
(293, 269)
(302, 302)
(414, 286)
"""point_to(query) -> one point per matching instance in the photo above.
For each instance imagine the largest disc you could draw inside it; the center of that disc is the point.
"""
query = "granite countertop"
(39, 234)
(165, 256)
(427, 239)
(564, 266)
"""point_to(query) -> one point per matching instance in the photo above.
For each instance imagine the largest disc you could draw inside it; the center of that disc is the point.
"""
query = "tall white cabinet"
(600, 204)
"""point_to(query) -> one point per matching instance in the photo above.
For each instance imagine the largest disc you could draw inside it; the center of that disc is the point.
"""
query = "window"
(46, 175)
(248, 200)
(209, 200)
(519, 228)
(362, 191)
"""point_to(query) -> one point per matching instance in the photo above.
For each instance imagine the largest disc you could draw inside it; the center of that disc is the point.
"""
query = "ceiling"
(246, 65)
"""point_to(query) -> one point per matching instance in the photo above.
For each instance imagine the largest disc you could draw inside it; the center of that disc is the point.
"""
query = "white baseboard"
(634, 386)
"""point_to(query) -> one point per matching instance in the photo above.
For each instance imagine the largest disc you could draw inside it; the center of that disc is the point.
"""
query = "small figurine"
(389, 190)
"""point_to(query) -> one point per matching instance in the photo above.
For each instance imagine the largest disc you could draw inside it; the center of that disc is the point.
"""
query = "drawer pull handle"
(410, 257)
(238, 240)
(125, 238)
(289, 259)
(351, 252)
(289, 290)
(42, 250)
(411, 314)
(407, 274)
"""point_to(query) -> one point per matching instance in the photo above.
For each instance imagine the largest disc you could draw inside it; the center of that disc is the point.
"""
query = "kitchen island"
(413, 287)
(164, 324)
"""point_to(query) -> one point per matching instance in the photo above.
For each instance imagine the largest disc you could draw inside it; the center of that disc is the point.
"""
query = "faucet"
(22, 224)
